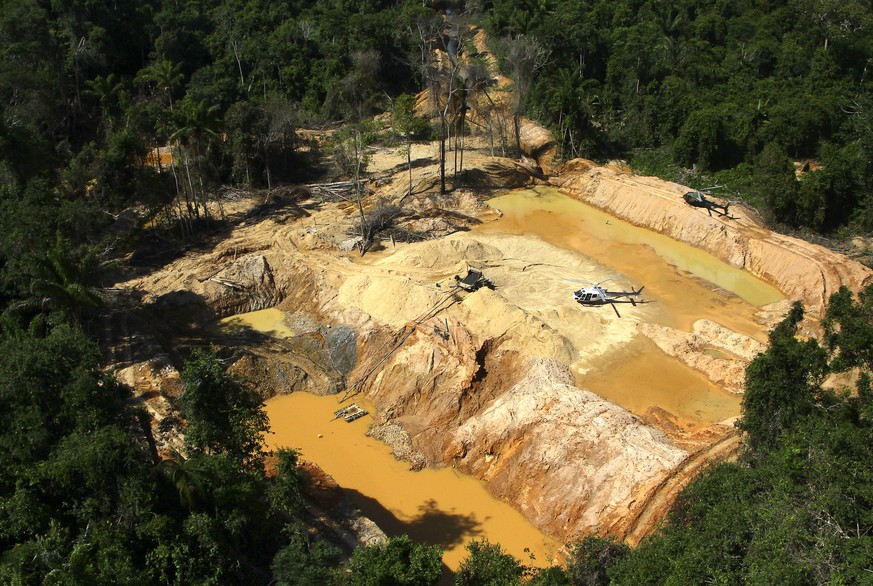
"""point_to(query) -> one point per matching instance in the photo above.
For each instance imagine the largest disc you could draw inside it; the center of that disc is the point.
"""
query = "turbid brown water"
(684, 285)
(266, 321)
(431, 506)
(641, 376)
(441, 506)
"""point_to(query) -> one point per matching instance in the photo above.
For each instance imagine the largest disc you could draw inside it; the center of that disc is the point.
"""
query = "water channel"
(443, 507)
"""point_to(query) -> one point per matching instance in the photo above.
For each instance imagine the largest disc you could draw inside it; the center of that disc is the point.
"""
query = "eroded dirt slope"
(801, 270)
(484, 383)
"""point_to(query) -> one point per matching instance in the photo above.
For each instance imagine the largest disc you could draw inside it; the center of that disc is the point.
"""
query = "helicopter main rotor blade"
(577, 281)
(605, 280)
(615, 309)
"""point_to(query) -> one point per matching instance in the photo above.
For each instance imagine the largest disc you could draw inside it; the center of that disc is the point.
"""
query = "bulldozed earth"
(489, 382)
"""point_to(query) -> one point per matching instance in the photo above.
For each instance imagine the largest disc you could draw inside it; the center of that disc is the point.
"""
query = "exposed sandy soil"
(485, 381)
(802, 271)
(495, 396)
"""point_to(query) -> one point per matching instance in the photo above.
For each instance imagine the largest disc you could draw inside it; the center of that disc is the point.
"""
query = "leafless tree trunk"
(525, 56)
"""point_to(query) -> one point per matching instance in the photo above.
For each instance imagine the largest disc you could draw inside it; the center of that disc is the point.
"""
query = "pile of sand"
(531, 310)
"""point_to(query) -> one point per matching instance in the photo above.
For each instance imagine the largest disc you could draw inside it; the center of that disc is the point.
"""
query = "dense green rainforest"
(733, 92)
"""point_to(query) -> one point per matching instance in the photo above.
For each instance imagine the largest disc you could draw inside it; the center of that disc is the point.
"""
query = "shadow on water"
(432, 526)
(437, 506)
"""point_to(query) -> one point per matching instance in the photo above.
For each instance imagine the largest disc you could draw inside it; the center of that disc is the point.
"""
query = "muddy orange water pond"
(685, 284)
(431, 506)
(449, 509)
(266, 321)
(439, 507)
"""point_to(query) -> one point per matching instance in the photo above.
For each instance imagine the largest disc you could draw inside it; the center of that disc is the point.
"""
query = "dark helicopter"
(697, 199)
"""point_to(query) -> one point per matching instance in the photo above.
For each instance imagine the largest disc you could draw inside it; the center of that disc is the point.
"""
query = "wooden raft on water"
(350, 413)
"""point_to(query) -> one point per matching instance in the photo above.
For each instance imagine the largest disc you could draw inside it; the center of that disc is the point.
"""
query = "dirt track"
(651, 510)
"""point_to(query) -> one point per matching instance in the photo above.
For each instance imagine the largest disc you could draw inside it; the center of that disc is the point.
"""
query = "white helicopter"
(597, 295)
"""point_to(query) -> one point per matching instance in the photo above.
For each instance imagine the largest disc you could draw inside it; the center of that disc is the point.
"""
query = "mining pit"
(539, 239)
(580, 419)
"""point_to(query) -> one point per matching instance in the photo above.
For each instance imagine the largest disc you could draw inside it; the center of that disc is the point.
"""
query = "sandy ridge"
(803, 271)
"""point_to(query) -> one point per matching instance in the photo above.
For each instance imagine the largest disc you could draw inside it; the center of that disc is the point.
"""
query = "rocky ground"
(481, 381)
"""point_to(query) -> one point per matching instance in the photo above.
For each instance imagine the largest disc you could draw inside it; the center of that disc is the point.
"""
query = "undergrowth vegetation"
(770, 99)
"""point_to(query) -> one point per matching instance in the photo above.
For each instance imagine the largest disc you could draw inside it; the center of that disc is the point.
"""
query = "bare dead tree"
(525, 56)
(356, 95)
(381, 219)
(281, 119)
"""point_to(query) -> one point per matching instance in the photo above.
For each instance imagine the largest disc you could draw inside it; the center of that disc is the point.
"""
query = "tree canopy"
(798, 508)
(695, 91)
(772, 98)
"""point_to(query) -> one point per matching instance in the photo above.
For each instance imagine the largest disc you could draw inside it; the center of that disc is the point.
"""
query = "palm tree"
(197, 122)
(196, 125)
(187, 475)
(575, 99)
(105, 89)
(166, 76)
(60, 282)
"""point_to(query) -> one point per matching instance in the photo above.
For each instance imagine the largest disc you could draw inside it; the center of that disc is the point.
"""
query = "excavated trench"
(541, 239)
(682, 286)
(496, 385)
(437, 506)
(431, 505)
